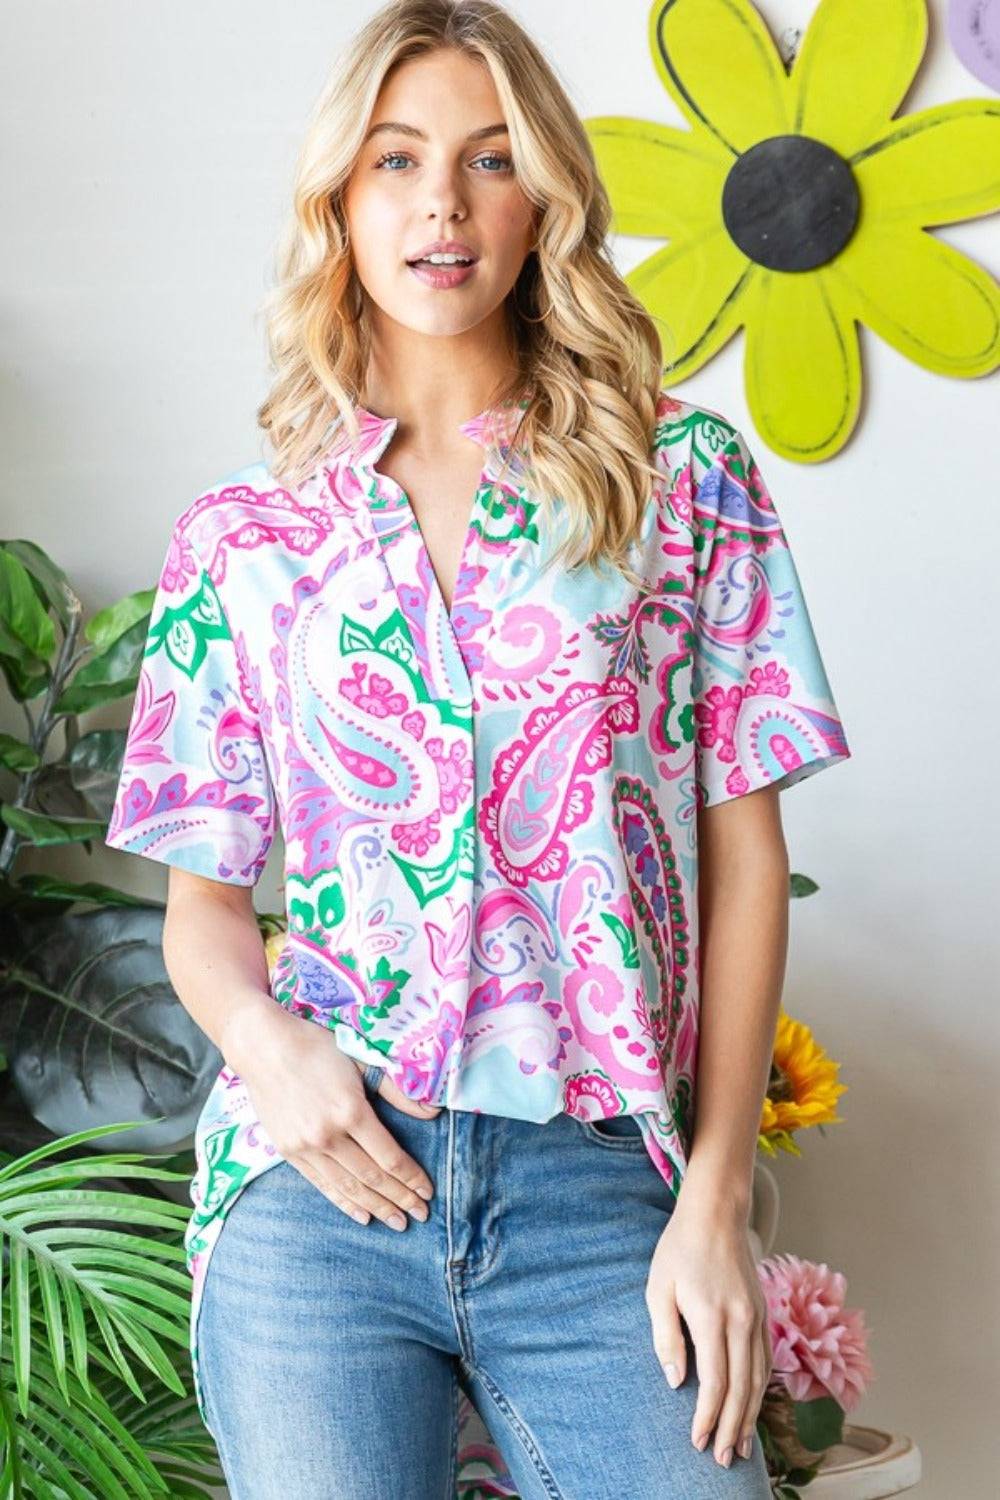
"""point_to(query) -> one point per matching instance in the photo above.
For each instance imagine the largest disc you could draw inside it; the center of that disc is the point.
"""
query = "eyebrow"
(396, 127)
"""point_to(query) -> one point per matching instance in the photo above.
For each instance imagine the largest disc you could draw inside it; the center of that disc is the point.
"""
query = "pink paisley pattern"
(488, 812)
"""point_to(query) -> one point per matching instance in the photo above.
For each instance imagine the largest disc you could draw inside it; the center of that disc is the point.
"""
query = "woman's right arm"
(306, 1091)
(214, 955)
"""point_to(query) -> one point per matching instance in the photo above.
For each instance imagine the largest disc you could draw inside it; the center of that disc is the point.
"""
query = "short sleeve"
(194, 789)
(764, 712)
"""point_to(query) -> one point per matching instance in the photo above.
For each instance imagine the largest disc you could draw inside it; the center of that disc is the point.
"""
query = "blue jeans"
(333, 1353)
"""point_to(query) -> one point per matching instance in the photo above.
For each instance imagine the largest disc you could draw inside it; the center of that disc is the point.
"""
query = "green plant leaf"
(16, 755)
(167, 1425)
(25, 677)
(54, 795)
(93, 1030)
(26, 622)
(801, 885)
(52, 888)
(102, 1447)
(95, 764)
(111, 623)
(42, 831)
(113, 674)
(820, 1423)
(51, 583)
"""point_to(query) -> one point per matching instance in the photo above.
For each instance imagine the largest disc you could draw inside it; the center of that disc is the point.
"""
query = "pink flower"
(737, 782)
(180, 564)
(819, 1347)
(771, 678)
(716, 717)
(378, 699)
(454, 769)
(416, 838)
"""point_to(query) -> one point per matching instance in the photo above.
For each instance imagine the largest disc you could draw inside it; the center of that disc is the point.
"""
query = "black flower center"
(790, 203)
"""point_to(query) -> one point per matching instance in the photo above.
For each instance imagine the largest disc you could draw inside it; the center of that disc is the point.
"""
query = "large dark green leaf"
(25, 620)
(52, 888)
(95, 764)
(51, 583)
(93, 1031)
(42, 831)
(54, 795)
(112, 674)
(16, 755)
(24, 676)
(111, 623)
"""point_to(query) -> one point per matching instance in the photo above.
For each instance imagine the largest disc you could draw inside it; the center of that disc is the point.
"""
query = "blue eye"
(505, 161)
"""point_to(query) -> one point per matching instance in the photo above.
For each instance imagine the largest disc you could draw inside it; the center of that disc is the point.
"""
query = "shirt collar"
(492, 423)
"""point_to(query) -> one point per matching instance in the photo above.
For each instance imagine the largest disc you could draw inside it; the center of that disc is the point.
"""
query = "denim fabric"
(333, 1353)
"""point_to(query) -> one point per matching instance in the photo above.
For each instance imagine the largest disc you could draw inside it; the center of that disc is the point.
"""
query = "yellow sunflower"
(797, 206)
(802, 1089)
(273, 947)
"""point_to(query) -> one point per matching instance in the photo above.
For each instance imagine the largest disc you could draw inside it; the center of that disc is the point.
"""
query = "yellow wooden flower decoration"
(797, 206)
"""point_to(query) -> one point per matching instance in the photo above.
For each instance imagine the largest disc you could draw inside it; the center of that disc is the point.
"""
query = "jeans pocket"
(372, 1076)
(615, 1132)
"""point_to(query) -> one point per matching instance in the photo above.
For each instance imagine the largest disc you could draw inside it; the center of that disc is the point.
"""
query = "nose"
(445, 200)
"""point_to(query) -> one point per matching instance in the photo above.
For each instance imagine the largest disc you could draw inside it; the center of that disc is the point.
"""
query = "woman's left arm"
(703, 1268)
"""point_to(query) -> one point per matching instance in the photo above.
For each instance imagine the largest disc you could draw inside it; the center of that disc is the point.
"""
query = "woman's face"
(436, 165)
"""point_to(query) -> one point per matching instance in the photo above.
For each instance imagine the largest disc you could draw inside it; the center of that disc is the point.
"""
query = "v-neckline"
(405, 505)
(440, 634)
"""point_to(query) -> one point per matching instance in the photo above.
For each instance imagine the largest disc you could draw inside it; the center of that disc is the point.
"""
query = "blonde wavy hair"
(586, 349)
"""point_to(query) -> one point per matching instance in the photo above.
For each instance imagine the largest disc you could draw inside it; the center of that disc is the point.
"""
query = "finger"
(668, 1340)
(352, 1174)
(765, 1335)
(741, 1336)
(710, 1357)
(406, 1181)
(758, 1385)
(328, 1186)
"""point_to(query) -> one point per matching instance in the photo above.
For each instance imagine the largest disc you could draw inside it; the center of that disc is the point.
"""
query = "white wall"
(146, 161)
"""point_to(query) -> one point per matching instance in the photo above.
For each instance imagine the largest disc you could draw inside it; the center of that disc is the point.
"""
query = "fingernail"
(397, 1221)
(701, 1441)
(746, 1446)
(425, 1192)
(673, 1374)
(727, 1457)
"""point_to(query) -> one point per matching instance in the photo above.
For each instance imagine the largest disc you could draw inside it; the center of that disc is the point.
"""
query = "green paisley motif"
(428, 882)
(224, 1175)
(184, 633)
(388, 984)
(392, 639)
(501, 515)
(681, 1110)
(316, 906)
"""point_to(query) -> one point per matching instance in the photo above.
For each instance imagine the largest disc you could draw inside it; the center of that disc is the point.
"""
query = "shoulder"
(689, 435)
(248, 497)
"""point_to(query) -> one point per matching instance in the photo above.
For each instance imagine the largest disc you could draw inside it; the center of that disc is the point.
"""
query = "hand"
(310, 1100)
(703, 1269)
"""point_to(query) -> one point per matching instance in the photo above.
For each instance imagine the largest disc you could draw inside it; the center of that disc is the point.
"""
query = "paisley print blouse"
(488, 812)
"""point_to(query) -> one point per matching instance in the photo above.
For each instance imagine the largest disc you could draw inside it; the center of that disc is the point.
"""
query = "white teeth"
(440, 259)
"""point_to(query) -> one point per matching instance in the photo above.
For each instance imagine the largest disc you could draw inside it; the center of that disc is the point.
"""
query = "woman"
(509, 750)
